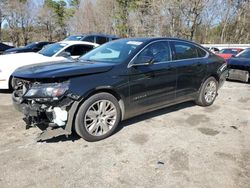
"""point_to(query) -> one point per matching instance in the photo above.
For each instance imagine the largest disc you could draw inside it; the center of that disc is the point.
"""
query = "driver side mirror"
(143, 60)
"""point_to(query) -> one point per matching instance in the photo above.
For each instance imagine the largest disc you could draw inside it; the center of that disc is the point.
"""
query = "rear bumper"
(239, 75)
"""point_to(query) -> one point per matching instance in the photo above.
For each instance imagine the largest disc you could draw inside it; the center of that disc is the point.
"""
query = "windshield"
(73, 38)
(229, 51)
(113, 52)
(244, 54)
(52, 49)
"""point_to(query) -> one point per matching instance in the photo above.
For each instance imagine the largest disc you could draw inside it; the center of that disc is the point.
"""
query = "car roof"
(151, 39)
(72, 42)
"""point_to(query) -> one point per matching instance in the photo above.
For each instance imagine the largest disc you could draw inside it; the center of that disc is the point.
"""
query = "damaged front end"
(45, 105)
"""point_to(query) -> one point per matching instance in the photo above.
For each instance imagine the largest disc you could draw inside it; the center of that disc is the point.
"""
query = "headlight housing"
(50, 90)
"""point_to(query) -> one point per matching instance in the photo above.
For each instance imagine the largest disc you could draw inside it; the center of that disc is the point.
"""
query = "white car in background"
(51, 53)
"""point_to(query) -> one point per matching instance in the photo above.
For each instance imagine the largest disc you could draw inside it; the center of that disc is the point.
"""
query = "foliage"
(204, 21)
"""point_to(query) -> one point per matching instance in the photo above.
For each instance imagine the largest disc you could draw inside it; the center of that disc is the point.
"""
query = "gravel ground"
(181, 146)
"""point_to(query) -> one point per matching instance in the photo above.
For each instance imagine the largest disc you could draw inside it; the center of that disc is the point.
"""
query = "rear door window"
(183, 50)
(201, 52)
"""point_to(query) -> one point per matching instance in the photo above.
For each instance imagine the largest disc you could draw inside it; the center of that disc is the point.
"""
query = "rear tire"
(98, 117)
(208, 92)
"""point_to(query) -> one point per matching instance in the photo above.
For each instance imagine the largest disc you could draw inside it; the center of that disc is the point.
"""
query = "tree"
(59, 8)
(20, 21)
(47, 23)
(123, 9)
(75, 3)
(2, 5)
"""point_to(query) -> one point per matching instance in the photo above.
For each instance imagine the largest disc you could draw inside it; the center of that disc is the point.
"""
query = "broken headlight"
(50, 90)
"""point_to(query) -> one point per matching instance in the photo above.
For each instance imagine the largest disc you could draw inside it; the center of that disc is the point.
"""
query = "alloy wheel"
(210, 91)
(100, 117)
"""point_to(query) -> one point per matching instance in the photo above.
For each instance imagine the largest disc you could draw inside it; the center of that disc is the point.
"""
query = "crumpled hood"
(61, 69)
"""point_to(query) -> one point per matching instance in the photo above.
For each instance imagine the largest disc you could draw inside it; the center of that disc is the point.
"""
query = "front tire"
(208, 92)
(98, 117)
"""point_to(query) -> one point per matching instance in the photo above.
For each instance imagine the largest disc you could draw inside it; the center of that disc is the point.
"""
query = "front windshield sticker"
(134, 43)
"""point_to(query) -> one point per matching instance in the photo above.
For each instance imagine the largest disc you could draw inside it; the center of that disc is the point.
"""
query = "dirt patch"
(179, 160)
(196, 119)
(212, 108)
(208, 131)
(225, 156)
(139, 139)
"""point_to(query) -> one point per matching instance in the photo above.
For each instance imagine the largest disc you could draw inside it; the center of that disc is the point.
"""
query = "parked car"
(4, 47)
(227, 53)
(95, 38)
(114, 82)
(32, 47)
(60, 51)
(240, 66)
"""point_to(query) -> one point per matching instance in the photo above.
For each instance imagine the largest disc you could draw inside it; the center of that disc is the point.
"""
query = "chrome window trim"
(130, 64)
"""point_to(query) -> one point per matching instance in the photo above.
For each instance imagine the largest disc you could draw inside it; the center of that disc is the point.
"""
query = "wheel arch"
(216, 76)
(76, 105)
(110, 90)
(208, 76)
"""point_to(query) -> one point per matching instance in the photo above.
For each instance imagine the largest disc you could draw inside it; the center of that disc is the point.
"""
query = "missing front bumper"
(53, 121)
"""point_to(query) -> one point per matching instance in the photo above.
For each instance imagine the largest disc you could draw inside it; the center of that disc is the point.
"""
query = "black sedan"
(114, 82)
(240, 66)
(4, 47)
(32, 47)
